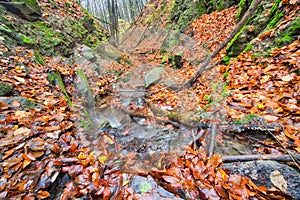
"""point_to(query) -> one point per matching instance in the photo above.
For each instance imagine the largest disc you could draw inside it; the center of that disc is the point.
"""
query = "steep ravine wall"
(47, 27)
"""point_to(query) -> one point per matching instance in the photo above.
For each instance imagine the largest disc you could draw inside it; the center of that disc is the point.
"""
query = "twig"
(192, 80)
(212, 139)
(281, 144)
(281, 158)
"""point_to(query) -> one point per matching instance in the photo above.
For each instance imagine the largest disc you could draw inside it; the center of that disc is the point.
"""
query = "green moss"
(88, 117)
(5, 89)
(29, 2)
(290, 34)
(226, 59)
(39, 58)
(83, 124)
(221, 5)
(24, 102)
(165, 58)
(230, 47)
(56, 76)
(247, 119)
(276, 20)
(51, 36)
(208, 98)
(240, 9)
(145, 187)
(225, 75)
(27, 40)
(285, 39)
(256, 55)
(249, 47)
(172, 115)
(5, 28)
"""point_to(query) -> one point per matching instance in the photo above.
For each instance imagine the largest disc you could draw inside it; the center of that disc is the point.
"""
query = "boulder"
(153, 76)
(26, 9)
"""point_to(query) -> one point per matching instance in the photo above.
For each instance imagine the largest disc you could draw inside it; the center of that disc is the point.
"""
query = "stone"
(153, 76)
(25, 9)
(260, 173)
(170, 83)
(88, 53)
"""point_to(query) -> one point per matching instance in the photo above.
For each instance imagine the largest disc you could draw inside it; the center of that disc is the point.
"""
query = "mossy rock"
(5, 89)
(282, 36)
(266, 16)
(50, 37)
(184, 12)
(290, 33)
(26, 9)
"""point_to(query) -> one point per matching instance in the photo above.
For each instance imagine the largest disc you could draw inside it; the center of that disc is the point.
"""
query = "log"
(275, 157)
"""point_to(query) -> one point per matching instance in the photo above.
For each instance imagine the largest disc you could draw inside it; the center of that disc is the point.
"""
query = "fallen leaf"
(278, 180)
(42, 194)
(21, 80)
(102, 159)
(271, 118)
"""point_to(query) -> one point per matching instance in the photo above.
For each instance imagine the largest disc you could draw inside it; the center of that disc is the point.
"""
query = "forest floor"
(46, 154)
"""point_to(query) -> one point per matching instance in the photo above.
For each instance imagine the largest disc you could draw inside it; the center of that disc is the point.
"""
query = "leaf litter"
(39, 144)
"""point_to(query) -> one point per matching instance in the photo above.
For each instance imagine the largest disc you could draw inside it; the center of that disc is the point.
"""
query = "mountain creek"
(123, 116)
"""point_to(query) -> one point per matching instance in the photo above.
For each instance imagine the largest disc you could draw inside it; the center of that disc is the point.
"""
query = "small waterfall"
(114, 15)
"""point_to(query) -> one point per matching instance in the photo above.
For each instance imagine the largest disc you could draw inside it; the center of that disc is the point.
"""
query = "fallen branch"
(281, 158)
(192, 80)
(212, 139)
(293, 158)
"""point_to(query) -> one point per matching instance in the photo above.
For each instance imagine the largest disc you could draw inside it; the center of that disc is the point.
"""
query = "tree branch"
(282, 158)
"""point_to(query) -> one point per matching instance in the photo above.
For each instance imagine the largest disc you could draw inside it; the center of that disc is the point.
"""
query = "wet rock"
(25, 9)
(260, 173)
(153, 76)
(88, 53)
(84, 89)
(5, 89)
(134, 95)
(170, 83)
(108, 51)
(142, 185)
(145, 139)
(56, 189)
(116, 118)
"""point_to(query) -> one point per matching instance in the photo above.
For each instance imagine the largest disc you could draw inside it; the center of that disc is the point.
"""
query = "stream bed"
(137, 145)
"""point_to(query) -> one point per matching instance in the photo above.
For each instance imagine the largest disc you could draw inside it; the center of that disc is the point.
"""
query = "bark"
(281, 158)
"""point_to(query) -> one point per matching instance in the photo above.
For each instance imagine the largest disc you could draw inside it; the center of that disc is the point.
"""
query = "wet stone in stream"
(150, 144)
(260, 172)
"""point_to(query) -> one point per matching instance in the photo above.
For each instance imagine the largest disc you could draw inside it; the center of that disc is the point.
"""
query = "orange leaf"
(42, 194)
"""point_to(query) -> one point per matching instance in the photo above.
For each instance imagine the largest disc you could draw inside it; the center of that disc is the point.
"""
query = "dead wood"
(275, 157)
(212, 139)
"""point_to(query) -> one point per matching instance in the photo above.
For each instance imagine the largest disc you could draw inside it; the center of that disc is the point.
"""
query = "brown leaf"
(16, 104)
(41, 194)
